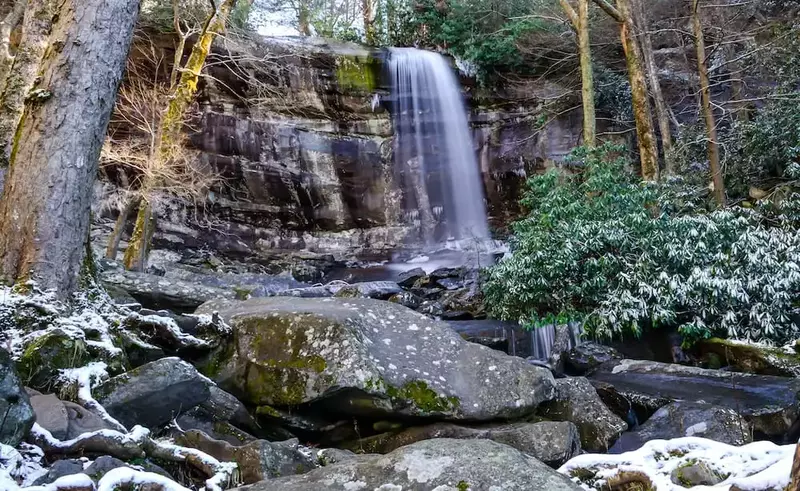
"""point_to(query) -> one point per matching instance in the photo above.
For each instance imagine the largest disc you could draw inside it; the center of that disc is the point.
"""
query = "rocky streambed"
(361, 386)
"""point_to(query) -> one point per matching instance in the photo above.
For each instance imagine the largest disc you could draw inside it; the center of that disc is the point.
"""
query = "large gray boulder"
(153, 394)
(552, 442)
(577, 401)
(680, 419)
(15, 406)
(770, 404)
(370, 358)
(443, 464)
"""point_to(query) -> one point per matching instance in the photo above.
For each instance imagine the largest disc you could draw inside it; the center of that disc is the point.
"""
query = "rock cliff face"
(296, 128)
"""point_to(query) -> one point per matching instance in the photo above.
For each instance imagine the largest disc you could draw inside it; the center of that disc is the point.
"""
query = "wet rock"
(15, 404)
(407, 299)
(431, 308)
(577, 401)
(382, 359)
(552, 442)
(493, 334)
(80, 420)
(308, 292)
(381, 290)
(137, 351)
(584, 357)
(257, 460)
(102, 466)
(153, 394)
(51, 414)
(695, 474)
(457, 315)
(406, 279)
(564, 341)
(680, 419)
(443, 464)
(59, 469)
(770, 404)
(443, 273)
(47, 354)
(748, 358)
(157, 292)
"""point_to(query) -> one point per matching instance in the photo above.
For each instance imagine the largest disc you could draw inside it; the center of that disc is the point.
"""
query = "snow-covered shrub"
(623, 256)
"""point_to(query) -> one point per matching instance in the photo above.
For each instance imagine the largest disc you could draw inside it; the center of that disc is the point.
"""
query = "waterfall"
(434, 156)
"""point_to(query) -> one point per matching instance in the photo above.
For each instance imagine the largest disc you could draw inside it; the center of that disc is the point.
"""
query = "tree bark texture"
(794, 485)
(580, 23)
(705, 102)
(45, 206)
(661, 107)
(21, 76)
(648, 150)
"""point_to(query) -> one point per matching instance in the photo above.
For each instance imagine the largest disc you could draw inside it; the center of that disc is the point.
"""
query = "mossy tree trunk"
(648, 149)
(580, 23)
(705, 102)
(45, 206)
(171, 126)
(304, 18)
(368, 14)
(21, 76)
(662, 110)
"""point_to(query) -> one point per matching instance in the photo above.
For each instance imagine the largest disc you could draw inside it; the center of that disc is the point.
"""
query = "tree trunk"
(661, 107)
(136, 254)
(119, 228)
(36, 27)
(368, 12)
(587, 77)
(648, 150)
(708, 112)
(6, 27)
(580, 23)
(304, 18)
(794, 485)
(45, 207)
(172, 125)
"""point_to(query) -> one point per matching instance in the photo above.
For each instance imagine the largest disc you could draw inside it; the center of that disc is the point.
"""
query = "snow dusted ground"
(758, 466)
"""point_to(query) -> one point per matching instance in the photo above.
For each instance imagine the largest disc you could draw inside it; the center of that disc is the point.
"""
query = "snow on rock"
(20, 467)
(759, 466)
(122, 477)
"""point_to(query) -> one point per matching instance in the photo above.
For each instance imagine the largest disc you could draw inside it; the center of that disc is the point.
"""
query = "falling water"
(434, 156)
(543, 338)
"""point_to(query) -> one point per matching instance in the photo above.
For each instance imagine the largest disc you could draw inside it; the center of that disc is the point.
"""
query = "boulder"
(45, 355)
(585, 357)
(695, 474)
(680, 419)
(577, 401)
(153, 394)
(441, 464)
(770, 404)
(328, 456)
(158, 292)
(15, 406)
(257, 460)
(59, 469)
(105, 464)
(552, 442)
(406, 279)
(748, 358)
(368, 358)
(369, 289)
(493, 334)
(51, 414)
(80, 420)
(407, 299)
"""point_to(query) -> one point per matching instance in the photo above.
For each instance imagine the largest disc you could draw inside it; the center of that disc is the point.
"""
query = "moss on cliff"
(357, 72)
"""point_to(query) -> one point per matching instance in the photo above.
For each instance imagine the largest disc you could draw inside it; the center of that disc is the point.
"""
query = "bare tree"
(45, 206)
(708, 111)
(580, 23)
(168, 140)
(648, 150)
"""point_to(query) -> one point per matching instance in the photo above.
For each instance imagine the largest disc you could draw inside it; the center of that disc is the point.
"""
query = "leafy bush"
(623, 256)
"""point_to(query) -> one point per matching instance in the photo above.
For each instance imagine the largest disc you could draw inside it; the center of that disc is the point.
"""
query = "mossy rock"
(367, 358)
(748, 358)
(360, 73)
(46, 355)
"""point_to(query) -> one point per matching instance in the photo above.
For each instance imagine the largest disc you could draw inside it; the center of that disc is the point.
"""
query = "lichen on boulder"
(370, 358)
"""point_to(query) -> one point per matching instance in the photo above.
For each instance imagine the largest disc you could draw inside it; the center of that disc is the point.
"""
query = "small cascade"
(435, 163)
(544, 338)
